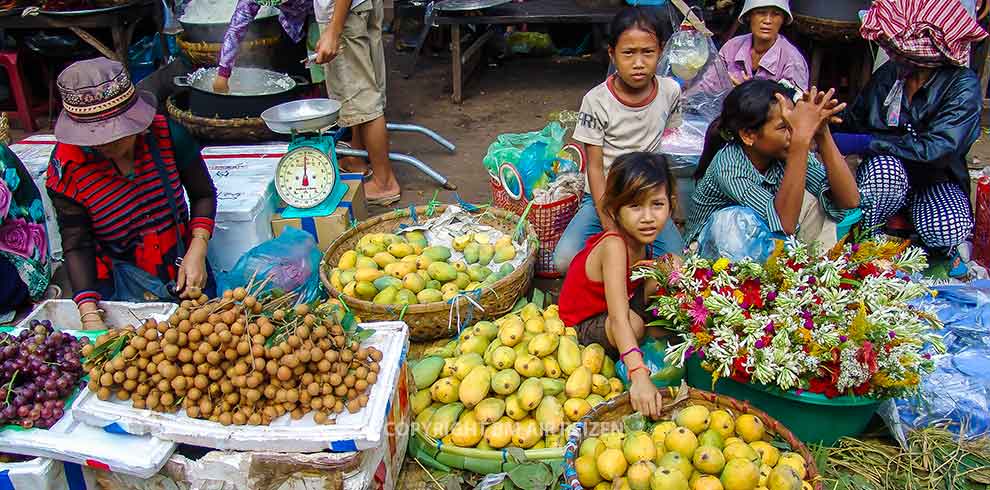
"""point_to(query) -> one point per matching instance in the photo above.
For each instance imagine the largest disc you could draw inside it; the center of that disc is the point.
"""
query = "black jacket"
(936, 130)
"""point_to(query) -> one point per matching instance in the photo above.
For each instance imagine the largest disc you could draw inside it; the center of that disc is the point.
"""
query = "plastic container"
(812, 417)
(35, 474)
(647, 3)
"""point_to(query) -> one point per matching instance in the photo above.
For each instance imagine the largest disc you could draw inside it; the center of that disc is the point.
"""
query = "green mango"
(476, 272)
(429, 296)
(442, 271)
(462, 280)
(426, 371)
(387, 281)
(405, 297)
(486, 252)
(437, 253)
(385, 296)
(433, 284)
(471, 253)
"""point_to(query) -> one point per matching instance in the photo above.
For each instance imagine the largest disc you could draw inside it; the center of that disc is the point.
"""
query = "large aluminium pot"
(833, 10)
(259, 28)
(252, 91)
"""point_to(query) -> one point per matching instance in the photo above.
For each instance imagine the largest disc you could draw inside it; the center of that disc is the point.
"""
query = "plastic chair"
(20, 90)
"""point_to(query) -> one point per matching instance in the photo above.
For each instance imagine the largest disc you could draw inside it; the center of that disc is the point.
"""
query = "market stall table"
(463, 61)
(120, 19)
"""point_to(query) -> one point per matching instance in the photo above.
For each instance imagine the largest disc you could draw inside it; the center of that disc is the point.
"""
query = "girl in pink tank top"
(598, 298)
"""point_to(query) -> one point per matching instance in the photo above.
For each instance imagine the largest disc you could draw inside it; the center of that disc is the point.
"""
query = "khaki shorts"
(356, 77)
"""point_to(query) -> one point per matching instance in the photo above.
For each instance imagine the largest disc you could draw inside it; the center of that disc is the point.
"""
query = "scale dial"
(305, 177)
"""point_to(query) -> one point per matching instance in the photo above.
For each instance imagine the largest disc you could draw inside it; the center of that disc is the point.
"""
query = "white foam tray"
(357, 431)
(72, 441)
(35, 474)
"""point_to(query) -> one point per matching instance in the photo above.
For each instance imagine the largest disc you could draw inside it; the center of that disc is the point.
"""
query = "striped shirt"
(126, 217)
(732, 180)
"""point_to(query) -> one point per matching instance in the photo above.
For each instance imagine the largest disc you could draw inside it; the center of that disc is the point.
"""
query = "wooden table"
(121, 22)
(463, 61)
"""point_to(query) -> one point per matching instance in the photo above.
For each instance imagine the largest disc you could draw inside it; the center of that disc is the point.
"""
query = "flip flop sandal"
(368, 171)
(385, 201)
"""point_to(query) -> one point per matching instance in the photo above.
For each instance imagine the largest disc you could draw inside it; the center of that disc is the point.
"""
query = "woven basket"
(435, 454)
(436, 320)
(207, 54)
(212, 129)
(826, 29)
(549, 220)
(607, 417)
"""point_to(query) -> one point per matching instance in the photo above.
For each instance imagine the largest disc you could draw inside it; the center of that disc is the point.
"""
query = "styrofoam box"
(244, 177)
(35, 474)
(357, 431)
(69, 439)
(35, 152)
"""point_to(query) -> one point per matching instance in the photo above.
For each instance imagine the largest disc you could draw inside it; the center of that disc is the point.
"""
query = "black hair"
(633, 18)
(632, 176)
(746, 107)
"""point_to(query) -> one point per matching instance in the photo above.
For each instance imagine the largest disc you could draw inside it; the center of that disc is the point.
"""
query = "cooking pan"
(252, 90)
(260, 28)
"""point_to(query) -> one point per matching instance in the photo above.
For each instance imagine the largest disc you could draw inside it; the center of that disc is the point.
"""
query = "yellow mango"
(365, 290)
(347, 260)
(468, 431)
(400, 250)
(367, 275)
(413, 282)
(486, 253)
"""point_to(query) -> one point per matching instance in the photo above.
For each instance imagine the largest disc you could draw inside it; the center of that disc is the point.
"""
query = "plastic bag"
(532, 43)
(527, 162)
(661, 373)
(736, 232)
(508, 148)
(292, 261)
(959, 389)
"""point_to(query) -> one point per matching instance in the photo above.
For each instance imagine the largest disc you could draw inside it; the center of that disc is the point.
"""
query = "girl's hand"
(328, 46)
(90, 317)
(644, 396)
(192, 274)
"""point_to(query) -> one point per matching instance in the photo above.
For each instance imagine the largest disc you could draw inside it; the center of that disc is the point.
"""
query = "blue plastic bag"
(959, 389)
(736, 233)
(292, 261)
(661, 373)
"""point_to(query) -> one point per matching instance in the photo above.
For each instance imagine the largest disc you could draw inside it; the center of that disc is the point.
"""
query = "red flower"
(868, 357)
(751, 293)
(818, 385)
(867, 269)
(739, 372)
(862, 389)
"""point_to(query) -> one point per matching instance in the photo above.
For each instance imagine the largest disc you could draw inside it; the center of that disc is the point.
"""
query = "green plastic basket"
(812, 417)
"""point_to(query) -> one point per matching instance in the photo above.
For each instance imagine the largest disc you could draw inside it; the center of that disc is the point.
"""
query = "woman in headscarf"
(116, 179)
(23, 237)
(920, 113)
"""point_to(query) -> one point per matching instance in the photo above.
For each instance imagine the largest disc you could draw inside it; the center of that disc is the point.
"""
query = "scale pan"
(302, 116)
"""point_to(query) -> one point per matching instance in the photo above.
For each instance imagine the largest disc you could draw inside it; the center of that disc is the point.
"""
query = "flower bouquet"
(835, 322)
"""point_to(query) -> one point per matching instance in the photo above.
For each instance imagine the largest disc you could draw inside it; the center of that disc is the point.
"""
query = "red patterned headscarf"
(926, 33)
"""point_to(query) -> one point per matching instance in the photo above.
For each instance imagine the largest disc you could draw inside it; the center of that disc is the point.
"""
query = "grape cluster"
(39, 369)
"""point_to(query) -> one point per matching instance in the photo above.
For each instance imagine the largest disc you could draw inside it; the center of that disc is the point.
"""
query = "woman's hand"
(643, 394)
(192, 273)
(91, 317)
(221, 84)
(810, 113)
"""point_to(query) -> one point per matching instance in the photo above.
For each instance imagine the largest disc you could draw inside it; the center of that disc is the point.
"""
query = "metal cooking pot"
(265, 27)
(252, 90)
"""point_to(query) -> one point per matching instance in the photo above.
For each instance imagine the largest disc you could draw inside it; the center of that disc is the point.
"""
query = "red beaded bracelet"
(633, 370)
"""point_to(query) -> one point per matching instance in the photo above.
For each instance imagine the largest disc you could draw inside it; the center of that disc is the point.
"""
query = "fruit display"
(240, 359)
(697, 449)
(39, 369)
(517, 381)
(405, 268)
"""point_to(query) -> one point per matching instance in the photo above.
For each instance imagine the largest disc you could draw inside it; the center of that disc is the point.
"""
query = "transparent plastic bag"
(292, 261)
(661, 373)
(525, 163)
(736, 232)
(508, 148)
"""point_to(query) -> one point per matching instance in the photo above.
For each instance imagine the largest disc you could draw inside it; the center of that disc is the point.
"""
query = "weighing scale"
(307, 177)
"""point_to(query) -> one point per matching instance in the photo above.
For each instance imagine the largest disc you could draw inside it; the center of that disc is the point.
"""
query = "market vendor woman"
(116, 179)
(917, 119)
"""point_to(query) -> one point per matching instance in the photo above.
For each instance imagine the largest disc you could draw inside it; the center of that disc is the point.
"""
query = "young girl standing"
(598, 299)
(627, 112)
(759, 158)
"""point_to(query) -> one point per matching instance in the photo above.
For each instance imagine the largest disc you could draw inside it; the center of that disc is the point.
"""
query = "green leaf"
(363, 334)
(531, 475)
(516, 455)
(348, 322)
(539, 298)
(634, 422)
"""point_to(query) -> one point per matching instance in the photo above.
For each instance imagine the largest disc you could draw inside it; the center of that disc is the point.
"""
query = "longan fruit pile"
(223, 361)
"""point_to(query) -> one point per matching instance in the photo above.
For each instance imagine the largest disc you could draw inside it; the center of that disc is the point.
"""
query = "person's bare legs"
(354, 164)
(374, 137)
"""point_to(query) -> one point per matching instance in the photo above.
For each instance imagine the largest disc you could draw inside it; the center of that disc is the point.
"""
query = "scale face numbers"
(304, 177)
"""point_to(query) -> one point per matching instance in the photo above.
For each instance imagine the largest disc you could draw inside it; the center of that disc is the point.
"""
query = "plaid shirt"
(732, 180)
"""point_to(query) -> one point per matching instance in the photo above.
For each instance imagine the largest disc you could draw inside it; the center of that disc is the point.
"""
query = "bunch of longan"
(222, 360)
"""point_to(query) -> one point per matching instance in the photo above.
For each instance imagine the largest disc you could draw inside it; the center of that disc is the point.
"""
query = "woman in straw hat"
(764, 53)
(919, 114)
(116, 179)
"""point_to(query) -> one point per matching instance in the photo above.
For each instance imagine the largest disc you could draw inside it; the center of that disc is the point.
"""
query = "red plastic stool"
(20, 90)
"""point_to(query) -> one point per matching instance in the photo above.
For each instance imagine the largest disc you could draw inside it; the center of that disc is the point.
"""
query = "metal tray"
(302, 116)
(467, 5)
